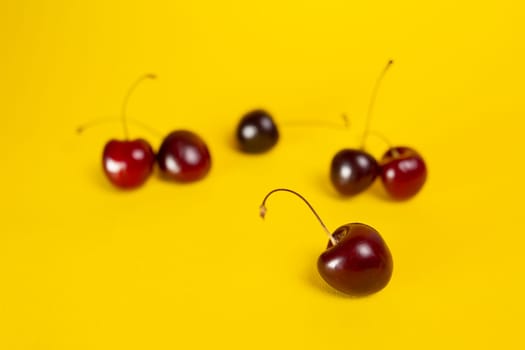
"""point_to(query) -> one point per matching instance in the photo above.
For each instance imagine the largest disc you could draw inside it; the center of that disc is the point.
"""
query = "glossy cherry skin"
(257, 132)
(183, 156)
(359, 264)
(127, 164)
(403, 172)
(353, 171)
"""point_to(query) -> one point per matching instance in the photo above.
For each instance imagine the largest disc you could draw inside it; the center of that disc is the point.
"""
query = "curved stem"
(373, 100)
(262, 210)
(96, 122)
(126, 100)
(381, 137)
(385, 140)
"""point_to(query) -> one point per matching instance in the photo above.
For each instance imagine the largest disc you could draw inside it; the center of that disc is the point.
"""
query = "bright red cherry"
(356, 262)
(183, 156)
(128, 164)
(352, 171)
(403, 172)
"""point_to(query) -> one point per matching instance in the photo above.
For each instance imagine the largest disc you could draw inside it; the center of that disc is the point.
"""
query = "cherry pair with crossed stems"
(183, 155)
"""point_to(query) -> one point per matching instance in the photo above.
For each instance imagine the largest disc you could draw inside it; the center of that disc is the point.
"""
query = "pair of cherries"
(183, 156)
(402, 169)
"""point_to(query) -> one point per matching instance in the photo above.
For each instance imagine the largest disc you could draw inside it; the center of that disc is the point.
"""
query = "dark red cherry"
(403, 172)
(353, 171)
(183, 156)
(128, 164)
(356, 262)
(360, 263)
(257, 132)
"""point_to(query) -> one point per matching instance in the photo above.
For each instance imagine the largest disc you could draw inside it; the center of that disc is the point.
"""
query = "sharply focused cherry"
(128, 163)
(360, 262)
(184, 156)
(257, 132)
(356, 262)
(403, 172)
(353, 170)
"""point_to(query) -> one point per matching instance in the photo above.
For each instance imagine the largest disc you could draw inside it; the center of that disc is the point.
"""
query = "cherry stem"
(373, 100)
(383, 138)
(263, 209)
(132, 89)
(346, 120)
(318, 123)
(96, 122)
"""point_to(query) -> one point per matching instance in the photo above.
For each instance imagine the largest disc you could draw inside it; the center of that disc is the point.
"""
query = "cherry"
(257, 132)
(403, 172)
(353, 170)
(127, 163)
(184, 157)
(359, 264)
(356, 261)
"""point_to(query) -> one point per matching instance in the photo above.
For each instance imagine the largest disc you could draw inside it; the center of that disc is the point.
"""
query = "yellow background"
(171, 266)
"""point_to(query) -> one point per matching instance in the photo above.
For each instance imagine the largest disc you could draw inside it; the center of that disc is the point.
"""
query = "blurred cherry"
(257, 132)
(184, 156)
(127, 163)
(354, 170)
(403, 172)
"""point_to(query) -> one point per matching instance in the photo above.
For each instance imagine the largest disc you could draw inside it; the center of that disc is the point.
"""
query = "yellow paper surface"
(192, 266)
